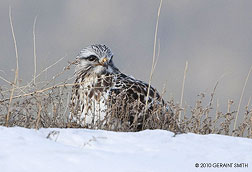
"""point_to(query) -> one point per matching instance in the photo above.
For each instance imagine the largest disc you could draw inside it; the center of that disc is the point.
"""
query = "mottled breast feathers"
(104, 97)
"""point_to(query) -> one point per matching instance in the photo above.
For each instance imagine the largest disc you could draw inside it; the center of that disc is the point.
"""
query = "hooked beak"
(104, 62)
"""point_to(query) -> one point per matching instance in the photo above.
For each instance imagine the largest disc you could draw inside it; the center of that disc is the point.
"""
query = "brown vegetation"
(36, 106)
(46, 104)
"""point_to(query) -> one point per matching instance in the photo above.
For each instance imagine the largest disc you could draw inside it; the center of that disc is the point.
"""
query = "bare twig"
(242, 93)
(58, 74)
(44, 70)
(183, 88)
(2, 78)
(68, 100)
(49, 88)
(247, 107)
(212, 94)
(16, 87)
(2, 72)
(153, 57)
(39, 114)
(249, 101)
(158, 54)
(34, 51)
(16, 72)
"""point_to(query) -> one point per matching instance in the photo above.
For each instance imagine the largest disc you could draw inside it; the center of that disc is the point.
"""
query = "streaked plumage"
(99, 84)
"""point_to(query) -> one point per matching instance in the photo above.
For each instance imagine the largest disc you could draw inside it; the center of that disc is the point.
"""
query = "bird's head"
(95, 59)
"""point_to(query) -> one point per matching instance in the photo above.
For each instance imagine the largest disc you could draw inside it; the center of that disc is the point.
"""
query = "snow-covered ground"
(66, 150)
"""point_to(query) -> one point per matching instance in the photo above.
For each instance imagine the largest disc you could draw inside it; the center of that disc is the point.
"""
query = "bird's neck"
(93, 79)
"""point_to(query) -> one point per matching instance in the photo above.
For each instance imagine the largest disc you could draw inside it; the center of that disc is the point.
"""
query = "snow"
(66, 150)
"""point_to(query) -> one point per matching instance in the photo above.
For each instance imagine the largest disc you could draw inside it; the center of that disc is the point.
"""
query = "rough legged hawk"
(103, 97)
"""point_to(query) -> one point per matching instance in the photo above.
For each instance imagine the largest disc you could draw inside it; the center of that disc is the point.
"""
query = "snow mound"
(66, 150)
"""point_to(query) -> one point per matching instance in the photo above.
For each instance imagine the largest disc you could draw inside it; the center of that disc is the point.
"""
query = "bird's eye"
(92, 58)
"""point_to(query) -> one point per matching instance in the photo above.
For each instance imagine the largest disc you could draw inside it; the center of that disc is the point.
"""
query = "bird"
(105, 98)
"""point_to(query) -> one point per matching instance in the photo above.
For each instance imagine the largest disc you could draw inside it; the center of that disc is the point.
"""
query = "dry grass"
(46, 104)
(242, 93)
(49, 107)
(16, 72)
(38, 106)
(154, 56)
(183, 88)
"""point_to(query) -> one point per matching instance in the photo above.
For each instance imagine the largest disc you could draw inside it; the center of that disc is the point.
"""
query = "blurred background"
(214, 36)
